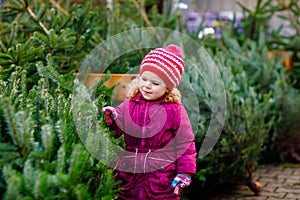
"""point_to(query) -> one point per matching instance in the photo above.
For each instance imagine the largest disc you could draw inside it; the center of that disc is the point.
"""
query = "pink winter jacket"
(159, 145)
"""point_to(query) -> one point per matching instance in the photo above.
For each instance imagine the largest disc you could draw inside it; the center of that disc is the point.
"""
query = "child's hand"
(110, 114)
(181, 181)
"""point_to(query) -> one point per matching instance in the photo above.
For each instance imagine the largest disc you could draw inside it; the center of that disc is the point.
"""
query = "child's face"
(151, 86)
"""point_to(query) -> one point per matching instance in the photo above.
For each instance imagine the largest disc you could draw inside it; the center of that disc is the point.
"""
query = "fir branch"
(61, 130)
(23, 95)
(12, 126)
(108, 187)
(78, 162)
(41, 186)
(10, 90)
(48, 71)
(41, 38)
(61, 158)
(145, 17)
(143, 12)
(53, 74)
(8, 158)
(13, 180)
(42, 72)
(2, 46)
(35, 19)
(56, 5)
(47, 139)
(7, 147)
(293, 21)
(29, 175)
(13, 33)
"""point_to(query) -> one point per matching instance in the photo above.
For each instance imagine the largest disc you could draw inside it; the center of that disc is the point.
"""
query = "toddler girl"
(159, 157)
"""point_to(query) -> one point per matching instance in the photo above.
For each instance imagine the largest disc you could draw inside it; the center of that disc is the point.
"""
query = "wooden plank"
(120, 81)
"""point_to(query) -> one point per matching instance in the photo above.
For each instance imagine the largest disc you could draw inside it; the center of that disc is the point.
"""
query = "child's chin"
(147, 97)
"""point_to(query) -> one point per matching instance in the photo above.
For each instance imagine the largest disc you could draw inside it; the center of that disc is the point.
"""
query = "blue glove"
(180, 181)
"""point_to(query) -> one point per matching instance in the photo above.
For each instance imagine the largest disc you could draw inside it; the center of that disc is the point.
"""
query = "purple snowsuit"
(159, 145)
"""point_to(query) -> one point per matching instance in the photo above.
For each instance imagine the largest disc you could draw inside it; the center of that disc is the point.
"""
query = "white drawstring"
(136, 151)
(160, 159)
(146, 160)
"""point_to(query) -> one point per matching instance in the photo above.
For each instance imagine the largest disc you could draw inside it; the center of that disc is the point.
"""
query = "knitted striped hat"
(165, 62)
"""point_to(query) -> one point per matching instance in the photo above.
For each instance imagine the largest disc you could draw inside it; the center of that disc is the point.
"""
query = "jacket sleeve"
(185, 143)
(118, 123)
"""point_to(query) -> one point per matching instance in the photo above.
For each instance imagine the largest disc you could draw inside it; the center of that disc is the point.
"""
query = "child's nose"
(148, 84)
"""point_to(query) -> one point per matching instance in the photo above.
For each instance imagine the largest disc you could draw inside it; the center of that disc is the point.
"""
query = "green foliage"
(47, 36)
(66, 33)
(41, 154)
(286, 131)
(257, 18)
(42, 43)
(262, 113)
(286, 99)
(41, 46)
(249, 78)
(288, 11)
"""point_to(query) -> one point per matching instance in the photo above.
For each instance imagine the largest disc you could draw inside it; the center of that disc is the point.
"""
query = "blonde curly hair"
(172, 96)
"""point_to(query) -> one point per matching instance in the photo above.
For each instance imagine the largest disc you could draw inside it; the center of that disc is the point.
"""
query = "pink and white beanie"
(167, 63)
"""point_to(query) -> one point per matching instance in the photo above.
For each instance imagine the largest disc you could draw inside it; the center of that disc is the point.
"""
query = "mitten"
(181, 181)
(110, 114)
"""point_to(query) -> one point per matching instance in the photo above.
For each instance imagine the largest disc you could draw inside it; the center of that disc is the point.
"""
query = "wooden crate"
(288, 62)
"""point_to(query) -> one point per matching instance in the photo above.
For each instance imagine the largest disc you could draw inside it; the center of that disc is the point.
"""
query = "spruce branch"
(41, 71)
(13, 33)
(248, 166)
(293, 20)
(35, 19)
(143, 12)
(9, 158)
(254, 20)
(47, 139)
(61, 159)
(56, 5)
(33, 16)
(2, 46)
(78, 162)
(6, 147)
(145, 17)
(12, 126)
(53, 74)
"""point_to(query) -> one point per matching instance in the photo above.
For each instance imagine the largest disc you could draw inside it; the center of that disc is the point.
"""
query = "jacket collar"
(139, 98)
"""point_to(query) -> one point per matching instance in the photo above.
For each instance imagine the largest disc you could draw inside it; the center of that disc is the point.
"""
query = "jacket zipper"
(144, 127)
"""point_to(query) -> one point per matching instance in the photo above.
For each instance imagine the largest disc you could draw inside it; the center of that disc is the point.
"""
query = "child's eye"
(155, 83)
